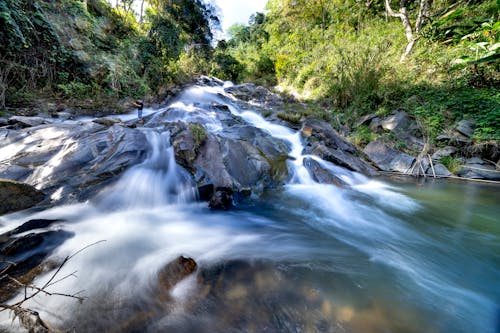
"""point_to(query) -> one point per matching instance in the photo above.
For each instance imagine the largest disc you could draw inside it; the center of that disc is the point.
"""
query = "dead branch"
(28, 318)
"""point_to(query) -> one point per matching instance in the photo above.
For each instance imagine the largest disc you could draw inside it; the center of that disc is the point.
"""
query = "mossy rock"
(16, 196)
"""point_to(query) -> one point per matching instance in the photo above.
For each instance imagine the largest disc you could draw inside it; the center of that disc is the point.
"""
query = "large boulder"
(16, 196)
(71, 161)
(477, 168)
(241, 158)
(388, 159)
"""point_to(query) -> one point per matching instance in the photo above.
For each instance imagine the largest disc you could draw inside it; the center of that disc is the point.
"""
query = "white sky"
(238, 11)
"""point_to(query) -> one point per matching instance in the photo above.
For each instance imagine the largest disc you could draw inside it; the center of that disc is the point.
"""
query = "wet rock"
(28, 253)
(388, 159)
(72, 159)
(466, 127)
(107, 121)
(221, 199)
(15, 172)
(321, 131)
(29, 226)
(3, 122)
(444, 152)
(16, 196)
(24, 122)
(249, 92)
(341, 158)
(321, 174)
(175, 271)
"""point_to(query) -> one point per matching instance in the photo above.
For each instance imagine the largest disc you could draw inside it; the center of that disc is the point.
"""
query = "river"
(380, 255)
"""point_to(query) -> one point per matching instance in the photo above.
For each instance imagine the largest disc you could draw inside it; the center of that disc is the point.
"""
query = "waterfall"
(155, 182)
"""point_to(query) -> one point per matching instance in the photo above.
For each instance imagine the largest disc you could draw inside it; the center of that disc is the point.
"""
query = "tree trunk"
(141, 14)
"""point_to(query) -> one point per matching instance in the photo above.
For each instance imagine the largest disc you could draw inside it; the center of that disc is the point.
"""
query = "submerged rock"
(175, 271)
(16, 196)
(221, 199)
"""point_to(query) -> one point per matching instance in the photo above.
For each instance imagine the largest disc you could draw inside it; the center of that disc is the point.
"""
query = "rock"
(72, 159)
(398, 122)
(476, 168)
(388, 159)
(440, 170)
(29, 226)
(3, 122)
(14, 172)
(318, 130)
(444, 152)
(366, 119)
(107, 121)
(16, 196)
(249, 92)
(23, 122)
(466, 127)
(175, 271)
(321, 174)
(27, 252)
(222, 199)
(341, 158)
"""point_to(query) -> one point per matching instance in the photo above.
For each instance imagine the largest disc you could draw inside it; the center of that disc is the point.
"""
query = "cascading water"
(310, 258)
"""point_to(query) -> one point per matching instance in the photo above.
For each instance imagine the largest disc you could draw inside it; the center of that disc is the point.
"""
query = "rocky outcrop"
(323, 141)
(16, 196)
(70, 161)
(249, 92)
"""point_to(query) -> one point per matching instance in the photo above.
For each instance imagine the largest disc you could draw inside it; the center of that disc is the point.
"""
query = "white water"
(150, 217)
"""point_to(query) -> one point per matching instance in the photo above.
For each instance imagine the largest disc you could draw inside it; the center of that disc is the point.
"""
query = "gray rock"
(341, 158)
(316, 130)
(440, 170)
(107, 121)
(23, 122)
(322, 175)
(479, 171)
(14, 172)
(3, 121)
(398, 122)
(466, 127)
(366, 119)
(16, 196)
(388, 159)
(249, 92)
(444, 152)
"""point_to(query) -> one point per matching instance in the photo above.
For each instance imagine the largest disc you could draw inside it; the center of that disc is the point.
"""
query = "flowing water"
(377, 256)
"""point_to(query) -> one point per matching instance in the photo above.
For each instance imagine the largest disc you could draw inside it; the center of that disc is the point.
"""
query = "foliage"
(199, 134)
(451, 163)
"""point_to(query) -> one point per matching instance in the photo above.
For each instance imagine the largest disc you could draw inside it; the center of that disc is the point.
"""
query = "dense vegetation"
(347, 55)
(342, 56)
(91, 54)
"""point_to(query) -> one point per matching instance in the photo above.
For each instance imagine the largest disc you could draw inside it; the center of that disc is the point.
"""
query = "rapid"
(377, 255)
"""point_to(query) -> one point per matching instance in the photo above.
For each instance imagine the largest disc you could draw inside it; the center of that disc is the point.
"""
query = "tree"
(424, 9)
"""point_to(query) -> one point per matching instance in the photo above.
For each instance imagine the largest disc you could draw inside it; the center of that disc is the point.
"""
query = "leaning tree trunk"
(423, 15)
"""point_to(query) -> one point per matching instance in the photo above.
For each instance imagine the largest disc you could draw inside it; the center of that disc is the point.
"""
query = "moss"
(199, 135)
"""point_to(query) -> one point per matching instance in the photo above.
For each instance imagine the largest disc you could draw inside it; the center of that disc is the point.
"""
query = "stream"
(379, 255)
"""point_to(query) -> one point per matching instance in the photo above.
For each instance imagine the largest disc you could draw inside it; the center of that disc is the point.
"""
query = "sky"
(238, 11)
